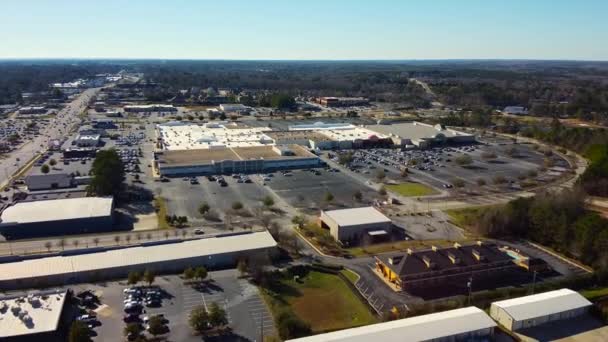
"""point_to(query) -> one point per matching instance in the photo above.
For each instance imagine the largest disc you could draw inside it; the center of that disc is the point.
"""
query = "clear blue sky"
(305, 29)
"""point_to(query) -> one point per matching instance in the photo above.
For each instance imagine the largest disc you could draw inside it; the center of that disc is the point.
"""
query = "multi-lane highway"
(58, 128)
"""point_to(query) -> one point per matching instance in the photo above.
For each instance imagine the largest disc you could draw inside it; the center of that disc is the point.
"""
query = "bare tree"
(61, 244)
(48, 246)
(117, 239)
(96, 241)
(128, 239)
(166, 233)
(184, 233)
(149, 236)
(138, 236)
(75, 243)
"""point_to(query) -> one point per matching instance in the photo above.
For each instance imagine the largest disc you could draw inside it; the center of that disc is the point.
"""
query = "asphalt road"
(58, 128)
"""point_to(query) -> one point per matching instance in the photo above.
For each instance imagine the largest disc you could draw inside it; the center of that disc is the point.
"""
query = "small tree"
(298, 221)
(132, 329)
(380, 175)
(128, 239)
(149, 277)
(268, 201)
(79, 332)
(328, 197)
(488, 155)
(458, 182)
(200, 273)
(156, 325)
(237, 205)
(464, 160)
(382, 191)
(75, 243)
(203, 208)
(133, 278)
(217, 315)
(189, 273)
(45, 169)
(117, 239)
(52, 162)
(199, 319)
(61, 244)
(241, 266)
(358, 196)
(48, 246)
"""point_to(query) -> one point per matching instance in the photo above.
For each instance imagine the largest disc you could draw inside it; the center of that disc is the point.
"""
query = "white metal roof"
(57, 209)
(43, 310)
(419, 328)
(357, 216)
(135, 256)
(542, 304)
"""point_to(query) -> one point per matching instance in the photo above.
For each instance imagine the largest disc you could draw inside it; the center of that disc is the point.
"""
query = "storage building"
(57, 217)
(349, 225)
(160, 257)
(466, 324)
(530, 311)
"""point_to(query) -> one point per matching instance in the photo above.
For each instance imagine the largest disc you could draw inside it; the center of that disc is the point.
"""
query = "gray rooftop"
(56, 210)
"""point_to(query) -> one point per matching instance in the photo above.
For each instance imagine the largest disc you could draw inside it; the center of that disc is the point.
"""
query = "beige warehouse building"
(350, 225)
(530, 311)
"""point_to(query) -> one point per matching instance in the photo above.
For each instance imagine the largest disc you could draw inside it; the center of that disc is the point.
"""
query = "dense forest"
(555, 220)
(548, 88)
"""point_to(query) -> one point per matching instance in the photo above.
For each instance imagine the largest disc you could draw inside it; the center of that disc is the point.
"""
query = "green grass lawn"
(410, 189)
(465, 217)
(592, 294)
(323, 300)
(350, 275)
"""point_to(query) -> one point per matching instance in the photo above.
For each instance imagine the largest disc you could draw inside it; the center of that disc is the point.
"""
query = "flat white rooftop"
(350, 134)
(30, 315)
(420, 328)
(193, 136)
(357, 216)
(57, 209)
(542, 304)
(135, 256)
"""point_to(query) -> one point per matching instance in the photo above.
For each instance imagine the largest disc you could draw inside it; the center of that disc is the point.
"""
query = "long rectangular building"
(213, 252)
(433, 266)
(57, 217)
(466, 324)
(530, 311)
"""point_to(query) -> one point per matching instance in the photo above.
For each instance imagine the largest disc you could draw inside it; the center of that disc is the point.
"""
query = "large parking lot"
(307, 189)
(503, 167)
(246, 312)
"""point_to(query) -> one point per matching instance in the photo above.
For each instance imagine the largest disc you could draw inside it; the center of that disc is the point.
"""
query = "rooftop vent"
(410, 251)
(429, 263)
(478, 255)
(479, 243)
(457, 245)
(395, 260)
(434, 248)
(455, 260)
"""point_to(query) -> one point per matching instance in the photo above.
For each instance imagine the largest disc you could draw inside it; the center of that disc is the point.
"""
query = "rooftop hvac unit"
(434, 248)
(410, 251)
(457, 245)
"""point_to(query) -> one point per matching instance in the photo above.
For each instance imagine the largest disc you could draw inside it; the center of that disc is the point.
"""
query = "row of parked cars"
(135, 300)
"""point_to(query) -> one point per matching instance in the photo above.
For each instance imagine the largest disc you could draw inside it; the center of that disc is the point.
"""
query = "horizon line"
(301, 60)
